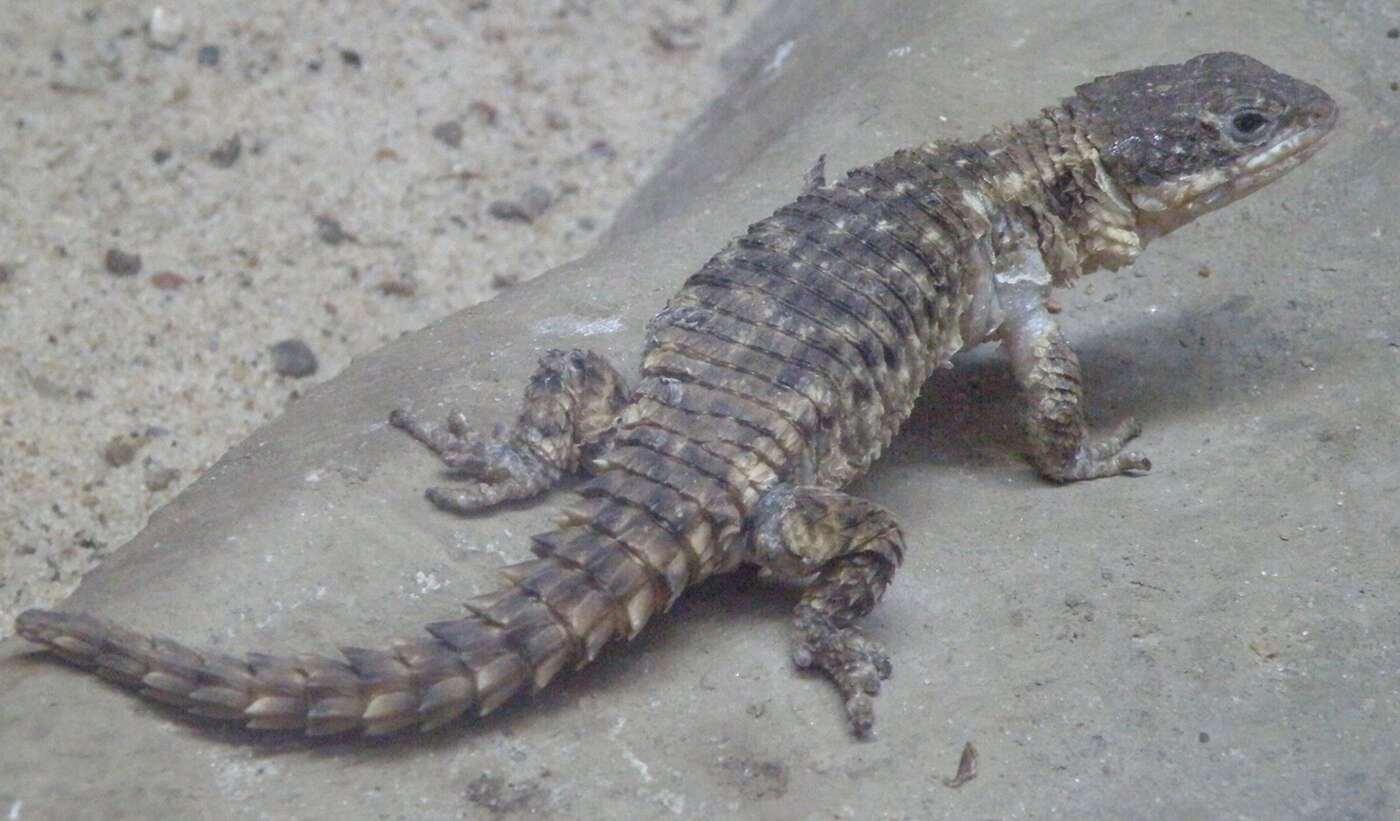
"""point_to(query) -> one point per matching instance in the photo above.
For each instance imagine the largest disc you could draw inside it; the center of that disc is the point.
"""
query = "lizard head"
(1181, 140)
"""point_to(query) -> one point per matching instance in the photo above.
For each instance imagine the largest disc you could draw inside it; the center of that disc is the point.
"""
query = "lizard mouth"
(1259, 169)
(1172, 204)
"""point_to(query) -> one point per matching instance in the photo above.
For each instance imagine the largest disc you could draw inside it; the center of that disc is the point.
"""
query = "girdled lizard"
(777, 374)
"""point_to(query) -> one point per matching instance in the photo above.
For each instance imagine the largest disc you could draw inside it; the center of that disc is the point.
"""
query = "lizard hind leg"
(846, 549)
(567, 417)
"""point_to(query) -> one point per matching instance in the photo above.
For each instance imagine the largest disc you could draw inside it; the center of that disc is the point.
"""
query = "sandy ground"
(1216, 639)
(336, 173)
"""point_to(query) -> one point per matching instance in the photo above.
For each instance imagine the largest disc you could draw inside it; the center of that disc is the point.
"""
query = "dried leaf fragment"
(967, 767)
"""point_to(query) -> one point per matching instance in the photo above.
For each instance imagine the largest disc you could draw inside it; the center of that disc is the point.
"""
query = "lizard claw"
(453, 439)
(1107, 454)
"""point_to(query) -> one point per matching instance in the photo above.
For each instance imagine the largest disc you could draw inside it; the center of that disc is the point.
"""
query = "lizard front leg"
(1047, 370)
(845, 549)
(567, 417)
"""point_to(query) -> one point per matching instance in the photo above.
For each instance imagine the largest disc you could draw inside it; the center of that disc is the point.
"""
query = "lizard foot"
(568, 415)
(1105, 457)
(854, 663)
(846, 548)
(503, 470)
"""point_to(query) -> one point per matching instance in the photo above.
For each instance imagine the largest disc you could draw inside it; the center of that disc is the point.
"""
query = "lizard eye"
(1248, 125)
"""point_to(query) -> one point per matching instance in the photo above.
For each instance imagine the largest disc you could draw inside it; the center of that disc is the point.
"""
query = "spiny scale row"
(550, 614)
(377, 691)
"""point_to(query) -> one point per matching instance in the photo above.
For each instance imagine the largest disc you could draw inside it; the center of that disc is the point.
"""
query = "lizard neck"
(1082, 219)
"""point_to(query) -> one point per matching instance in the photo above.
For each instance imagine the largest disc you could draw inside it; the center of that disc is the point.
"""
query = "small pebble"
(404, 286)
(507, 210)
(121, 263)
(351, 58)
(1264, 648)
(330, 231)
(165, 28)
(449, 132)
(677, 36)
(208, 55)
(601, 150)
(158, 477)
(168, 281)
(532, 203)
(483, 111)
(292, 357)
(160, 155)
(226, 153)
(120, 450)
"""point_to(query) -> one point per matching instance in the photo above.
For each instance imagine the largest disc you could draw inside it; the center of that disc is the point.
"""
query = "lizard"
(777, 374)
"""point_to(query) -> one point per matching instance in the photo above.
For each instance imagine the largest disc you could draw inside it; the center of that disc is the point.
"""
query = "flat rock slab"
(1216, 639)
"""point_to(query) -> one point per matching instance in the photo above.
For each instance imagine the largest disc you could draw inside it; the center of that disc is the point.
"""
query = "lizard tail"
(586, 589)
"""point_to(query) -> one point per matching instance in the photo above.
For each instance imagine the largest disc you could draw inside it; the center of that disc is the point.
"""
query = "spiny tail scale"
(610, 567)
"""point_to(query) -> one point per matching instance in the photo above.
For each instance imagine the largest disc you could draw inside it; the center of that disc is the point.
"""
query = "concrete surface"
(1214, 640)
(380, 145)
